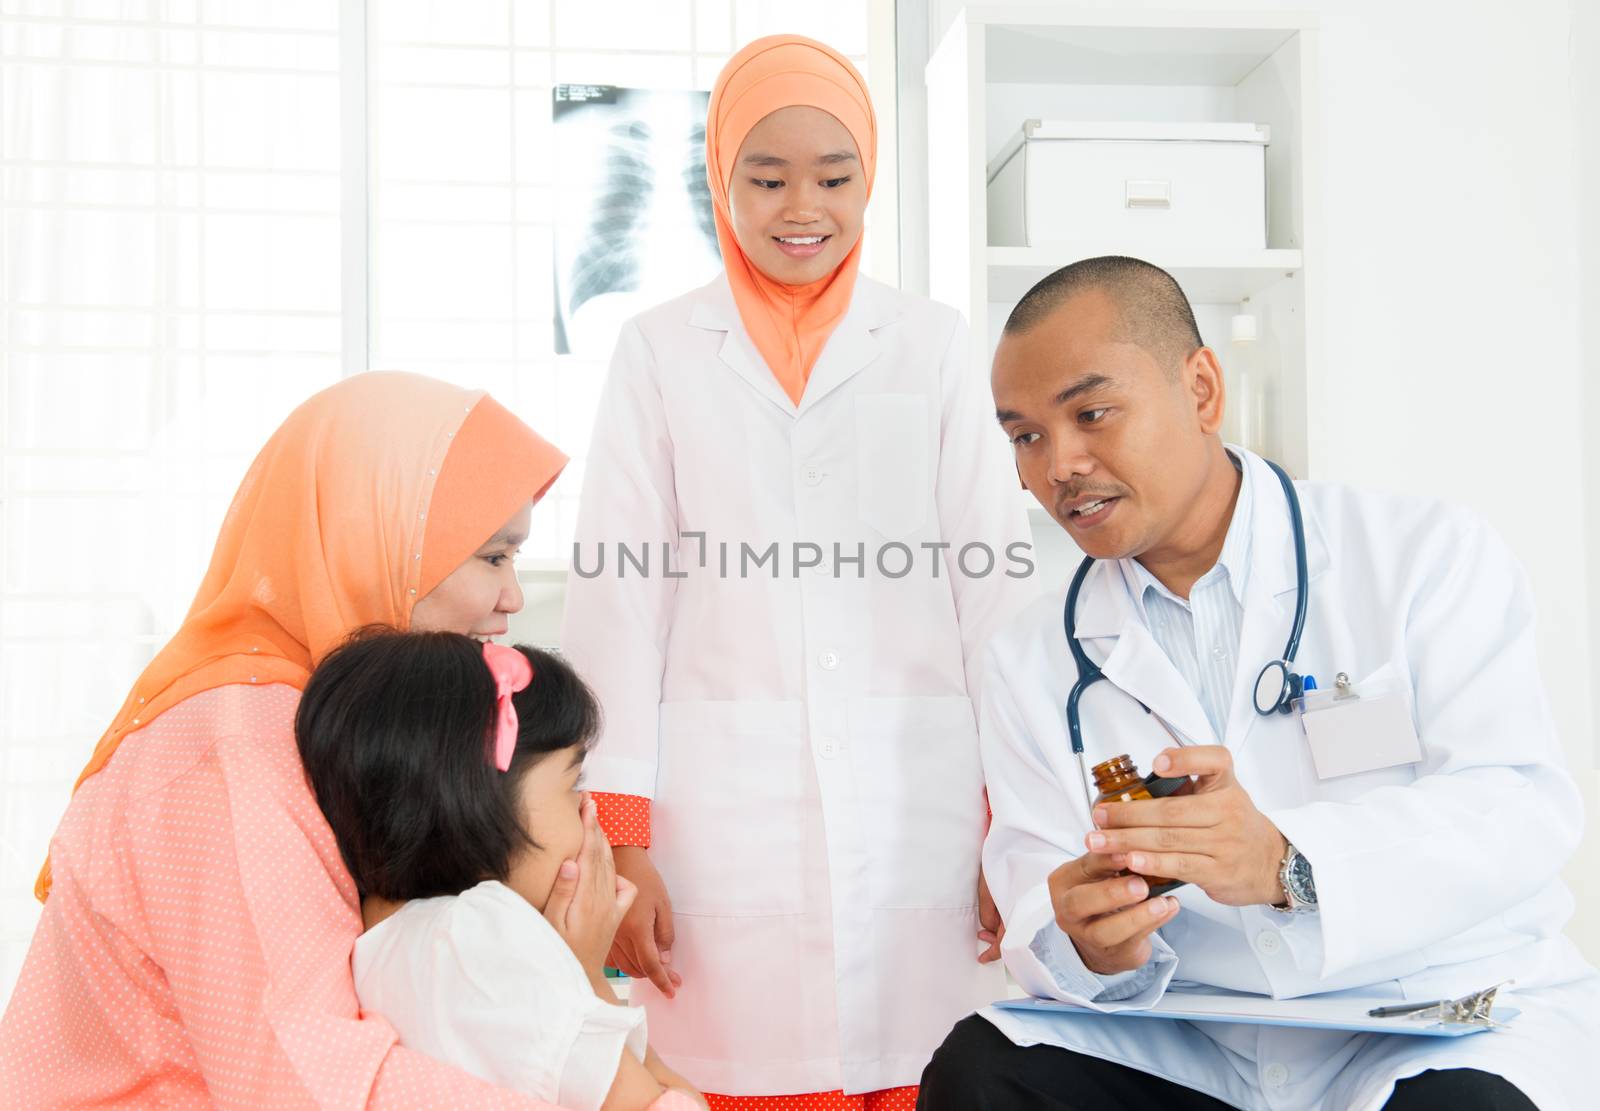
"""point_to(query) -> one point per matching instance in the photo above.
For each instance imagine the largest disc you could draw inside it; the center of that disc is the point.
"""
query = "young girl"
(789, 698)
(448, 770)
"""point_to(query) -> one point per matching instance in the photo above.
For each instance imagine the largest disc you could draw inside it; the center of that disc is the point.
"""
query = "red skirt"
(889, 1099)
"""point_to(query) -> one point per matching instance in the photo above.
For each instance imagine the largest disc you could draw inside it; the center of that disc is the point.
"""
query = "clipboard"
(1335, 1011)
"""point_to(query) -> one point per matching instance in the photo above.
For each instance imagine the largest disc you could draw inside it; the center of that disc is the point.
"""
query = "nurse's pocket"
(920, 784)
(729, 811)
(893, 469)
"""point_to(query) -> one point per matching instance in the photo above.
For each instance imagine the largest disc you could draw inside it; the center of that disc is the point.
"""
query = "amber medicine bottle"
(1118, 780)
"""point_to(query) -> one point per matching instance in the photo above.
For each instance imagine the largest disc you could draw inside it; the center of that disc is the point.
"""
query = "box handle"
(1149, 194)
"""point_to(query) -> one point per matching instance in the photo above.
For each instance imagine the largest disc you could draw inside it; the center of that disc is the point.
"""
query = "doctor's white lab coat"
(808, 736)
(1433, 879)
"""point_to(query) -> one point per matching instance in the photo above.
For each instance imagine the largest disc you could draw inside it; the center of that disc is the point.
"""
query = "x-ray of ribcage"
(633, 223)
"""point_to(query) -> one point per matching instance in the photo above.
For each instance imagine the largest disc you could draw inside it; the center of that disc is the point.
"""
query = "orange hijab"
(789, 324)
(366, 497)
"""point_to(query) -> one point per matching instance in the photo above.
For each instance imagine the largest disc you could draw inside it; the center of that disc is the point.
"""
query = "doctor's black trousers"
(979, 1069)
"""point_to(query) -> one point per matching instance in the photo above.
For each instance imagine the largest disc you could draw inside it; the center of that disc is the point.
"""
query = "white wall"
(1586, 96)
(1453, 138)
(1585, 48)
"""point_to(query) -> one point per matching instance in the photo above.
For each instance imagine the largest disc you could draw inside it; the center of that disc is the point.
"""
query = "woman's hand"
(643, 946)
(589, 900)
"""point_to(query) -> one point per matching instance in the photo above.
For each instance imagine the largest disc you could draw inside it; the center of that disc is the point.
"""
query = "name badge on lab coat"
(1353, 729)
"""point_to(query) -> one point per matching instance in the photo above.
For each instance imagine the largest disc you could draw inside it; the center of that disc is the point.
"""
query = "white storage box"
(1135, 186)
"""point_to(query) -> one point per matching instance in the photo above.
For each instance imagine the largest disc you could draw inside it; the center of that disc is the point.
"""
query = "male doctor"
(1413, 854)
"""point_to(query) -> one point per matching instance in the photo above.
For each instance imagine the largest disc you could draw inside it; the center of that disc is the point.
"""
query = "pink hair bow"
(512, 672)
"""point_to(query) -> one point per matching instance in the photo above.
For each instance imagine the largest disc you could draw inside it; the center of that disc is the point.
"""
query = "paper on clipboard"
(1335, 1011)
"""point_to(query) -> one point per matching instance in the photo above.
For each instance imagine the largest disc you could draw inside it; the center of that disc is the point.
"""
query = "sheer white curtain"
(170, 287)
(170, 273)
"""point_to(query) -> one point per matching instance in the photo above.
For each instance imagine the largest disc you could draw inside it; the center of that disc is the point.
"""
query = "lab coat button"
(1268, 942)
(1275, 1076)
(1219, 652)
(829, 660)
(829, 748)
(812, 475)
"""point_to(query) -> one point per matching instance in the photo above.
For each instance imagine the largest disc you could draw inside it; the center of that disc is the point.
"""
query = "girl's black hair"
(395, 732)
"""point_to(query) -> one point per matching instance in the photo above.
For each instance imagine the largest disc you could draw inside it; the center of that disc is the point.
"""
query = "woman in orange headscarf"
(195, 944)
(789, 696)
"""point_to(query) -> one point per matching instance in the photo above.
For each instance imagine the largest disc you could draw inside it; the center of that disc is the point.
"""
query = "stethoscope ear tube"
(1088, 674)
(1302, 574)
(1278, 685)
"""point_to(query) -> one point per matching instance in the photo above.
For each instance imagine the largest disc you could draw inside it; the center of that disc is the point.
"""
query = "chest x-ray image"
(633, 212)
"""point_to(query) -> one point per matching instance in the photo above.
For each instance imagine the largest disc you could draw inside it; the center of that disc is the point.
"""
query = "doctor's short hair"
(1155, 313)
(395, 733)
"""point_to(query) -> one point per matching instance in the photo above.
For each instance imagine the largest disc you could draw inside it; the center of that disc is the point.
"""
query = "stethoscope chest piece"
(1276, 688)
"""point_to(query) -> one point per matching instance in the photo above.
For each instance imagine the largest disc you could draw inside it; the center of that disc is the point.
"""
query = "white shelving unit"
(1207, 276)
(998, 66)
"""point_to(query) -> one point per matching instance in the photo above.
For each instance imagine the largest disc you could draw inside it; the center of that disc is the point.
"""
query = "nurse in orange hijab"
(789, 765)
(194, 948)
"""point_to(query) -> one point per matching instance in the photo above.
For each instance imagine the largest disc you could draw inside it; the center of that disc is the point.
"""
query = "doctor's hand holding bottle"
(1214, 838)
(1106, 912)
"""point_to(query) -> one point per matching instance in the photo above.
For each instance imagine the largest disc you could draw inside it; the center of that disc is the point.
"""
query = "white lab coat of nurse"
(1433, 879)
(807, 733)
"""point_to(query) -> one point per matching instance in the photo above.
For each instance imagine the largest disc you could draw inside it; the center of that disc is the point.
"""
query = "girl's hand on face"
(589, 899)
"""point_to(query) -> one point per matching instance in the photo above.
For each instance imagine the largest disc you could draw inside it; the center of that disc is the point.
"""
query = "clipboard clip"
(1469, 1010)
(1343, 688)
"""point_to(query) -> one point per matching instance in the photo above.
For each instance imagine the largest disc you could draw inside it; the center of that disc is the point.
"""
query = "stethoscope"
(1277, 687)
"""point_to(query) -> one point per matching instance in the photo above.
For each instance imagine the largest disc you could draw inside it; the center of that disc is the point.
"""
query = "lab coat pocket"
(1390, 680)
(730, 810)
(893, 469)
(920, 785)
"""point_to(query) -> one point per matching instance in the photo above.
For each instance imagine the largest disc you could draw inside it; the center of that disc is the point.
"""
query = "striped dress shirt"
(1200, 634)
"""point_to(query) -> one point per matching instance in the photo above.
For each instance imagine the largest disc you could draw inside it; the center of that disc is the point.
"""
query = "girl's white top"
(482, 981)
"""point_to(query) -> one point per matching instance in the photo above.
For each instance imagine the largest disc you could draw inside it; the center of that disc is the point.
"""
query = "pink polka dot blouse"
(195, 950)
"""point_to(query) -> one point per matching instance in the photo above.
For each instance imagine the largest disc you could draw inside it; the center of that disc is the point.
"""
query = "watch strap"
(1298, 898)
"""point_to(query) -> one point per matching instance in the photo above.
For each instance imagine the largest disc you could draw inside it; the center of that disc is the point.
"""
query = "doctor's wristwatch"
(1299, 887)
